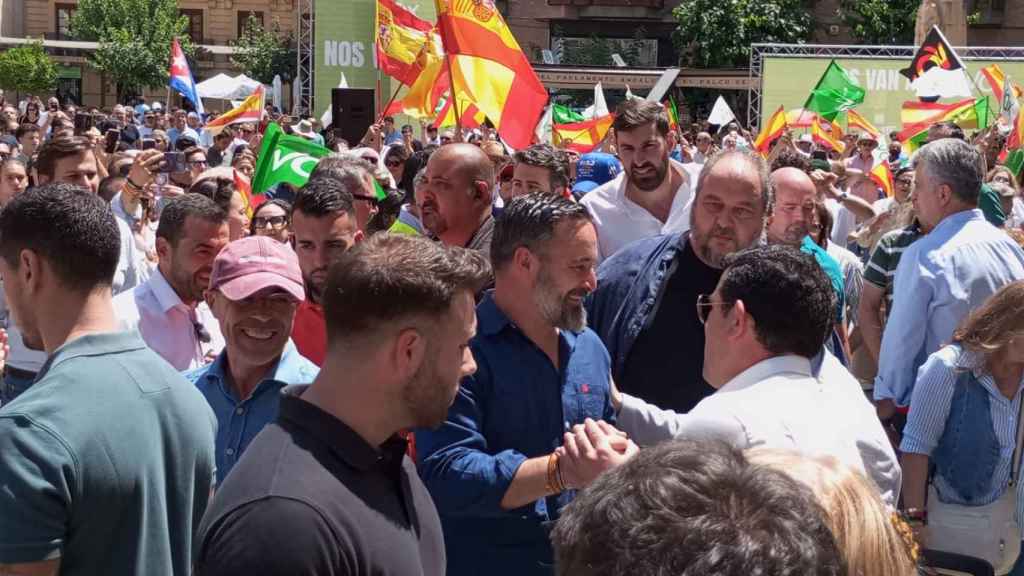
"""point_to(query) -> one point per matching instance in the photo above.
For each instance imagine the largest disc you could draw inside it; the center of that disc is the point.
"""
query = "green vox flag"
(1015, 160)
(285, 158)
(565, 115)
(836, 91)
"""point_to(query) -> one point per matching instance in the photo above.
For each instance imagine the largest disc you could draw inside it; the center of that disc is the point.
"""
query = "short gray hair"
(954, 163)
(755, 161)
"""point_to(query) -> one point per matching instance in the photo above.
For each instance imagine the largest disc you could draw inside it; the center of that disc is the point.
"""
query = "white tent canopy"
(225, 87)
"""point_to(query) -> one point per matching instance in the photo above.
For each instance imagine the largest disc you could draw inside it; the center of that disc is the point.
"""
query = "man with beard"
(652, 194)
(327, 488)
(255, 285)
(456, 200)
(168, 309)
(491, 467)
(643, 306)
(323, 228)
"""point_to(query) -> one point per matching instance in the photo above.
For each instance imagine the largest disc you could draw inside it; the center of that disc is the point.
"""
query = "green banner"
(788, 82)
(345, 43)
(285, 158)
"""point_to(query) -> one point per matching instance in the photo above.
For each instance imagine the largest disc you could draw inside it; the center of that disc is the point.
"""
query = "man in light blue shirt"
(945, 275)
(255, 287)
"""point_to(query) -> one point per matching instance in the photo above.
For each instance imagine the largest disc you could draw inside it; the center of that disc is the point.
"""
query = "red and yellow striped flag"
(489, 69)
(773, 128)
(250, 110)
(881, 174)
(917, 116)
(996, 79)
(401, 37)
(855, 120)
(244, 187)
(583, 136)
(827, 138)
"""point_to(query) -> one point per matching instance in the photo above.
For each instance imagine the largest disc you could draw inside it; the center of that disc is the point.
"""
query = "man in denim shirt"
(255, 287)
(491, 467)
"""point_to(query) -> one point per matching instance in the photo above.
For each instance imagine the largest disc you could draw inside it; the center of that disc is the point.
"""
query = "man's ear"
(739, 322)
(407, 351)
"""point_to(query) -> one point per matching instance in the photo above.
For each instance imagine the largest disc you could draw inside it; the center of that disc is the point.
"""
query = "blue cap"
(595, 169)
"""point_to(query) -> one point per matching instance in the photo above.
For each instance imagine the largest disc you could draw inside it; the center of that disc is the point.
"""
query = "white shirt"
(145, 238)
(620, 221)
(167, 325)
(19, 356)
(131, 267)
(843, 221)
(778, 403)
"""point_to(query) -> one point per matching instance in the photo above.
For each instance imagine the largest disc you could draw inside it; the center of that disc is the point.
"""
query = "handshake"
(590, 449)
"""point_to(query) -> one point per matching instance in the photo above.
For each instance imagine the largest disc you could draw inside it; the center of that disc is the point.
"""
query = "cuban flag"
(181, 77)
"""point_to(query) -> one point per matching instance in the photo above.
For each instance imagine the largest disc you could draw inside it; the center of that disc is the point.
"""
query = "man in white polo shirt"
(652, 194)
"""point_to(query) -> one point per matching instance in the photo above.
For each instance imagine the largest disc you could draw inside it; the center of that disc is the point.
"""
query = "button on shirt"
(167, 324)
(517, 406)
(240, 420)
(620, 221)
(940, 279)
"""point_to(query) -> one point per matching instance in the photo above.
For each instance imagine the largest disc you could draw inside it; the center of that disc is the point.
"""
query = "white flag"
(721, 114)
(543, 129)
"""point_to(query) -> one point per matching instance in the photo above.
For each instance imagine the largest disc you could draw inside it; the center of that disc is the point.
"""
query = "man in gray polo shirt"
(106, 462)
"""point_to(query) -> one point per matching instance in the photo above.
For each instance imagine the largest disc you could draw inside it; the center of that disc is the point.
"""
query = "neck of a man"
(461, 235)
(955, 207)
(345, 389)
(183, 295)
(508, 296)
(745, 361)
(72, 316)
(246, 376)
(657, 202)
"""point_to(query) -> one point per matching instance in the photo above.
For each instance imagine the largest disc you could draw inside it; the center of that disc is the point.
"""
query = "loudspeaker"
(353, 113)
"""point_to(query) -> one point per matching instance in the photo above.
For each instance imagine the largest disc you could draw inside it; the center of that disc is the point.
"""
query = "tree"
(881, 21)
(262, 54)
(28, 69)
(718, 33)
(134, 39)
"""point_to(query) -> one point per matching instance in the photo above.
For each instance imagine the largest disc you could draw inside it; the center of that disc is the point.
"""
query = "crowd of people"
(671, 356)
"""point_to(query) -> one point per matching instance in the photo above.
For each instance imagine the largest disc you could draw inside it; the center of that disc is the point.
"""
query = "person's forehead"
(80, 161)
(201, 230)
(531, 173)
(270, 210)
(329, 226)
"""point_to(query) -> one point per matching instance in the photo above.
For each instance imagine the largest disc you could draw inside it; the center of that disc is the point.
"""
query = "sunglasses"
(904, 181)
(393, 163)
(704, 306)
(269, 222)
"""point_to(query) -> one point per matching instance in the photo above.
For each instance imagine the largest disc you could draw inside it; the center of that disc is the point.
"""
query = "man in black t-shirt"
(644, 308)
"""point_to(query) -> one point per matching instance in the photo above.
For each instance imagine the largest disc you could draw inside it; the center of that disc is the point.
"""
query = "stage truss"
(305, 18)
(759, 51)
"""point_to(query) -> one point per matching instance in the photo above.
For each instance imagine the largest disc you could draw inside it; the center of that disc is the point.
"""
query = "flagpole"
(383, 110)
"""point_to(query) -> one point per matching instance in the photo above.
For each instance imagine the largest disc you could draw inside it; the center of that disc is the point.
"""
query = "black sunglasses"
(201, 333)
(270, 221)
(393, 163)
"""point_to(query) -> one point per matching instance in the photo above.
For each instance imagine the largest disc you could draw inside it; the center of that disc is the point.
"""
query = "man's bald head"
(794, 213)
(471, 162)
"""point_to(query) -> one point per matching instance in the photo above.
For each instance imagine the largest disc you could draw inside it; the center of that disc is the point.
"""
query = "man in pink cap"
(255, 287)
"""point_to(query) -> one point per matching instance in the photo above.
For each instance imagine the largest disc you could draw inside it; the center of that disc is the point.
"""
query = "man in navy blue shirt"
(491, 468)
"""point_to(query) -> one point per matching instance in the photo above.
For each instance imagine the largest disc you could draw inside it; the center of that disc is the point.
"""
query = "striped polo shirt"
(881, 268)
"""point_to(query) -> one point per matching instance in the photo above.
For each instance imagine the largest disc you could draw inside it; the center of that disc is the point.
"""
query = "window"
(243, 19)
(986, 11)
(195, 25)
(62, 20)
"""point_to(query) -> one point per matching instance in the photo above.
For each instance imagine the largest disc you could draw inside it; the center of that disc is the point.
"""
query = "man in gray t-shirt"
(107, 461)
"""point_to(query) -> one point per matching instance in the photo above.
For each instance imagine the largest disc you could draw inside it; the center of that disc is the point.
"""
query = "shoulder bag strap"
(1015, 463)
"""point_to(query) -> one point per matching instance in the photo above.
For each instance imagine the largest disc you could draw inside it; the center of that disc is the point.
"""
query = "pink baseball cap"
(254, 263)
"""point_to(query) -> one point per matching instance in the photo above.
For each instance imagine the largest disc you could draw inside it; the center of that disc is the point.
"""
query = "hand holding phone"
(110, 142)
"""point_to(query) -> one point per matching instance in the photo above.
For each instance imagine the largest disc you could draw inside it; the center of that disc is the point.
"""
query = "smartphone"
(83, 122)
(148, 143)
(819, 155)
(173, 162)
(111, 138)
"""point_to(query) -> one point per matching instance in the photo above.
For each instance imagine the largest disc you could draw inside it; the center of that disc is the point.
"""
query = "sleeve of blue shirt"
(36, 486)
(463, 477)
(930, 404)
(906, 330)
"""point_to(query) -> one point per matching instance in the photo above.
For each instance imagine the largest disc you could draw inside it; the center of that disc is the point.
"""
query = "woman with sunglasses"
(394, 160)
(272, 218)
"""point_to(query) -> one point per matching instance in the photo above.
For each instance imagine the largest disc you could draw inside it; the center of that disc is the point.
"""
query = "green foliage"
(262, 54)
(27, 68)
(134, 39)
(881, 21)
(718, 33)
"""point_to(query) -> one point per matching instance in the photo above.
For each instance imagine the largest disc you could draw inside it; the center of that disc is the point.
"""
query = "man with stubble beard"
(324, 226)
(327, 488)
(644, 308)
(652, 194)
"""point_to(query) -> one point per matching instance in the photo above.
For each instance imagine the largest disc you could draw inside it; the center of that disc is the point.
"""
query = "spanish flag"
(881, 174)
(583, 136)
(489, 69)
(427, 91)
(773, 128)
(829, 139)
(400, 38)
(1016, 138)
(996, 79)
(855, 120)
(917, 116)
(244, 187)
(250, 110)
